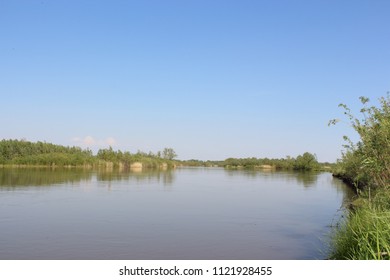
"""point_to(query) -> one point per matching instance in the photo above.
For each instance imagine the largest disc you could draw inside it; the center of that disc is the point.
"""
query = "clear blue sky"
(211, 79)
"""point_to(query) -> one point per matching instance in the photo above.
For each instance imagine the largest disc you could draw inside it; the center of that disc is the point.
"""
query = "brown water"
(188, 213)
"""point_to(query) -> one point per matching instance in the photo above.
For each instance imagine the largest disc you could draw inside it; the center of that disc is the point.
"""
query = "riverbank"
(365, 166)
(364, 234)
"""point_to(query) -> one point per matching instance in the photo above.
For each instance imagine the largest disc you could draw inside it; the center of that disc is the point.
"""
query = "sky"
(210, 79)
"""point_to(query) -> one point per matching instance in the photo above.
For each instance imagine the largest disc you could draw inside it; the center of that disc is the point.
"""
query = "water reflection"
(165, 176)
(348, 194)
(25, 177)
(28, 177)
(306, 179)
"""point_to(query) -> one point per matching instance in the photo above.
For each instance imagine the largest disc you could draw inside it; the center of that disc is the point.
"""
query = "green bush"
(306, 161)
(367, 163)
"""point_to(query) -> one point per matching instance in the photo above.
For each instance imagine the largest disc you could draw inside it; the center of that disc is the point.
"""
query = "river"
(186, 213)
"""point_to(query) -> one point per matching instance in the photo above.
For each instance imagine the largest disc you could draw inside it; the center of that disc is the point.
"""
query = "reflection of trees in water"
(307, 179)
(12, 177)
(165, 176)
(349, 193)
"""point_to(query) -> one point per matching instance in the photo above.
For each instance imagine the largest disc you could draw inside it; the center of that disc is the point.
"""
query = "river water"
(187, 213)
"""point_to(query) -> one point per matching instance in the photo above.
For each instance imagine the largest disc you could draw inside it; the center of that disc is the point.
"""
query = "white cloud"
(111, 141)
(91, 142)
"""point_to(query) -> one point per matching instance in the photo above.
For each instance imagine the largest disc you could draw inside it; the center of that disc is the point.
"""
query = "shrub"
(367, 163)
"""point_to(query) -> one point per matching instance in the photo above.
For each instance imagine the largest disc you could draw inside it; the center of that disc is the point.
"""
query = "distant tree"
(41, 153)
(307, 161)
(107, 154)
(169, 153)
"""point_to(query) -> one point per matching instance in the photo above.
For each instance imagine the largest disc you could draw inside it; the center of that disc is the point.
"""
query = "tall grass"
(365, 233)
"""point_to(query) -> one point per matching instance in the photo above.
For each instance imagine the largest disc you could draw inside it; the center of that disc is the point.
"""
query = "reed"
(365, 233)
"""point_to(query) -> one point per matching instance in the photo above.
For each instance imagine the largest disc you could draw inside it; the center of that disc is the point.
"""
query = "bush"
(306, 161)
(367, 163)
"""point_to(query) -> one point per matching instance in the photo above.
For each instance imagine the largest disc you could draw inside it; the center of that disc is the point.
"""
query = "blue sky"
(211, 79)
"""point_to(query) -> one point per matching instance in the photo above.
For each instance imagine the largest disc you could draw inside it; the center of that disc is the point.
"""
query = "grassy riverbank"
(365, 166)
(365, 233)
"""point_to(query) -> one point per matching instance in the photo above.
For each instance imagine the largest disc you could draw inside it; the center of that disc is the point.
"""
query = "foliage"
(305, 162)
(367, 163)
(365, 234)
(20, 152)
(23, 152)
(169, 153)
(150, 159)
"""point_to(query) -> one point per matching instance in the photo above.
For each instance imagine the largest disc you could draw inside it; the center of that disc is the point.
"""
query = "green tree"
(307, 161)
(169, 153)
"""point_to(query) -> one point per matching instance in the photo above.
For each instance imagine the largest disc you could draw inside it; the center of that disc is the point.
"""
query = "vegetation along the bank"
(365, 233)
(26, 153)
(304, 162)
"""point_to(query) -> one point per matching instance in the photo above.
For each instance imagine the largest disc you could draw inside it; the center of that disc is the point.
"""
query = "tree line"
(304, 162)
(22, 152)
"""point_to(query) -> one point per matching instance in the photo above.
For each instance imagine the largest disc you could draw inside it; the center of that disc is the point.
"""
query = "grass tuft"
(365, 234)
